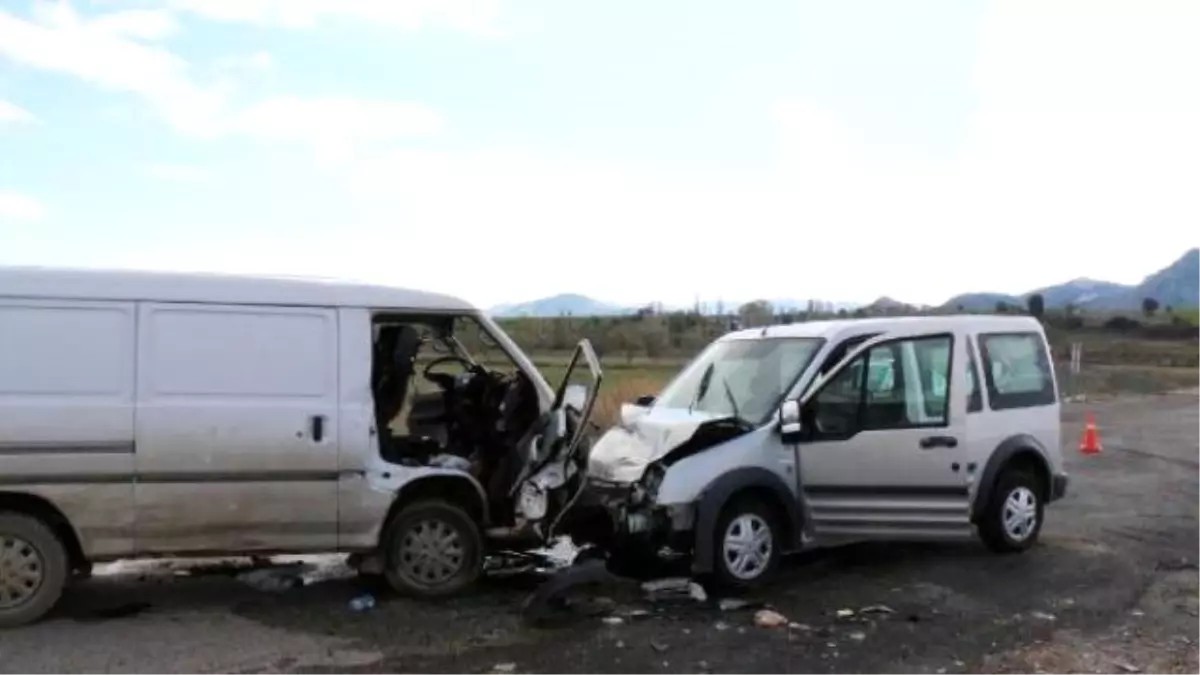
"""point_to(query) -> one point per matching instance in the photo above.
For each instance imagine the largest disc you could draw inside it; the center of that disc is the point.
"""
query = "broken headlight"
(646, 489)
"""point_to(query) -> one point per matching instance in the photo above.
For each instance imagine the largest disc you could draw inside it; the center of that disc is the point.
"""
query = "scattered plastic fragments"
(877, 609)
(362, 603)
(732, 604)
(697, 592)
(766, 618)
(845, 613)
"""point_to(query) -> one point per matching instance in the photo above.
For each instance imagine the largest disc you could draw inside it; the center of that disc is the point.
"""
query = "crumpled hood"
(622, 454)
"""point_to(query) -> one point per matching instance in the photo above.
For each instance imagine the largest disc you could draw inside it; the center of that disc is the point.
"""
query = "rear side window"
(1016, 370)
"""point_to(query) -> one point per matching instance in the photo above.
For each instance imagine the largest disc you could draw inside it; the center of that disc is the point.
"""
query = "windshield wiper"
(702, 388)
(737, 415)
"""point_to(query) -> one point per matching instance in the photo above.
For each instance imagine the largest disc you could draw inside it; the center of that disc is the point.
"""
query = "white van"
(150, 414)
(790, 437)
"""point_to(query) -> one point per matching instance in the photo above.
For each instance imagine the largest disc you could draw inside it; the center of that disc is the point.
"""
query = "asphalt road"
(1112, 587)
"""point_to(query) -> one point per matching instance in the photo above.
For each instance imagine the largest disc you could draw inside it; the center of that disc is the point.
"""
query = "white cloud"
(471, 16)
(180, 173)
(16, 207)
(1078, 160)
(254, 63)
(103, 53)
(11, 113)
(333, 125)
(142, 24)
(113, 52)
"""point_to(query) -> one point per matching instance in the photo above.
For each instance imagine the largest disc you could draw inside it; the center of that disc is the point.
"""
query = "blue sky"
(508, 149)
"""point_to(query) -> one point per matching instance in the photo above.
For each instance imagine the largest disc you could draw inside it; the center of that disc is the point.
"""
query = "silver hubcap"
(1020, 513)
(21, 571)
(747, 546)
(430, 553)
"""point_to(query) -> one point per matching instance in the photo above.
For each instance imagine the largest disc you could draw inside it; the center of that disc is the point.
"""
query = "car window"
(894, 385)
(1016, 370)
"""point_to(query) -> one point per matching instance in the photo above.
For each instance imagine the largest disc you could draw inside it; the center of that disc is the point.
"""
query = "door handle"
(318, 427)
(939, 441)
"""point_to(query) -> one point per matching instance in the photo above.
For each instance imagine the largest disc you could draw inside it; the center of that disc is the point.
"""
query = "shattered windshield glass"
(744, 378)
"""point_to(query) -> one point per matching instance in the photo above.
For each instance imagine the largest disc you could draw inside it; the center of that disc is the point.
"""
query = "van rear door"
(66, 413)
(237, 428)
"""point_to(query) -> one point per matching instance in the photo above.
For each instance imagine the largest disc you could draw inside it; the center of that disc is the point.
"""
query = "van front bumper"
(1058, 486)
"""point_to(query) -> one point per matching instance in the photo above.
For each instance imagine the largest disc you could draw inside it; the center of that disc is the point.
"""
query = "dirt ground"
(1111, 588)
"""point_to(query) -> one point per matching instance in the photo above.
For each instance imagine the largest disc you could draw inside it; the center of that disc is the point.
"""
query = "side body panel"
(67, 413)
(237, 428)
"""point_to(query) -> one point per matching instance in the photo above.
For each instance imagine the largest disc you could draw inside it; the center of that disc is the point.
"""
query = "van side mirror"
(644, 401)
(788, 418)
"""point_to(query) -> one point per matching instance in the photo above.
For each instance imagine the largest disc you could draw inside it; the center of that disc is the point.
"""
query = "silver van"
(784, 438)
(150, 414)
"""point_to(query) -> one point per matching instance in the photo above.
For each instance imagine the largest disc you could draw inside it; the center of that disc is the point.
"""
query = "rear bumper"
(1058, 486)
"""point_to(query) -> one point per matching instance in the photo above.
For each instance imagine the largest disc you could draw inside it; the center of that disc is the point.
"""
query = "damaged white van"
(150, 414)
(788, 437)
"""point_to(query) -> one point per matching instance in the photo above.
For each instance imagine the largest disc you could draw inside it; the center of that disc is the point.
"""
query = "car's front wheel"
(747, 543)
(432, 549)
(1012, 520)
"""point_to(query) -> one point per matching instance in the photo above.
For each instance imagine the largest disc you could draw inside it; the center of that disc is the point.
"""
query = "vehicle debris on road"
(769, 618)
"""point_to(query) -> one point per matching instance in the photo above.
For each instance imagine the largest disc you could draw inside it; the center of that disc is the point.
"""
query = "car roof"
(49, 283)
(840, 328)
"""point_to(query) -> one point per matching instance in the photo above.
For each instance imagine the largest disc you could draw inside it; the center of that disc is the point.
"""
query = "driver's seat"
(396, 376)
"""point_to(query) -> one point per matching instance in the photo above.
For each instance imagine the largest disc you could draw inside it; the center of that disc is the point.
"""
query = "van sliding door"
(237, 428)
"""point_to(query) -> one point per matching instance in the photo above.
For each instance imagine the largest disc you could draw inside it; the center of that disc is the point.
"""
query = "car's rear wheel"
(33, 569)
(747, 542)
(1012, 520)
(432, 549)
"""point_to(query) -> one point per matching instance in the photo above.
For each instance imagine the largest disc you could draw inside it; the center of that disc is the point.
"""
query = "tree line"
(651, 332)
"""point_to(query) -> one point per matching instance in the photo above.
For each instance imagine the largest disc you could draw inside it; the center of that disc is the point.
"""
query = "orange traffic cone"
(1090, 443)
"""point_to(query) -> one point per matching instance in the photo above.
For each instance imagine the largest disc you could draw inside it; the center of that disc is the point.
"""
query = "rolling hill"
(1176, 285)
(571, 304)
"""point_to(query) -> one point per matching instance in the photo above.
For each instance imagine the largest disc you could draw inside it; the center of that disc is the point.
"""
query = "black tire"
(723, 573)
(405, 576)
(991, 526)
(29, 544)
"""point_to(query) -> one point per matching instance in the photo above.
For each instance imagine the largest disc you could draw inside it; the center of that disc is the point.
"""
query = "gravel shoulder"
(1111, 588)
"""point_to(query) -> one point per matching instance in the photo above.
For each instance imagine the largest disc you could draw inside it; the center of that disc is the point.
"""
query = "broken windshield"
(743, 378)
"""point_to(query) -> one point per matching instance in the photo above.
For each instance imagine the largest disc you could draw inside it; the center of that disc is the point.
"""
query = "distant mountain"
(886, 305)
(574, 304)
(980, 302)
(571, 304)
(1177, 285)
(1081, 293)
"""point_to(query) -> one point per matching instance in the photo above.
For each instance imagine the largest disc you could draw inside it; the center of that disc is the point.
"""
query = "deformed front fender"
(716, 495)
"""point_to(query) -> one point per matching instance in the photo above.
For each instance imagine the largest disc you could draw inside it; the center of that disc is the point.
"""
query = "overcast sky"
(503, 150)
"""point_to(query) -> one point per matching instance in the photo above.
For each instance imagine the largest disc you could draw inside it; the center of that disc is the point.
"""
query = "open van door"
(554, 461)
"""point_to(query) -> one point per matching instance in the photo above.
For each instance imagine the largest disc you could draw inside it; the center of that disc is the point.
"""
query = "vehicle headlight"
(652, 479)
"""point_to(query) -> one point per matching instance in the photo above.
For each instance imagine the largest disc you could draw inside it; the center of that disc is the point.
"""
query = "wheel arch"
(458, 489)
(1019, 450)
(755, 481)
(45, 510)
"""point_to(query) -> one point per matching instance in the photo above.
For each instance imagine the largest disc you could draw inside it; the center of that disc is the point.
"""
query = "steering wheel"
(445, 380)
